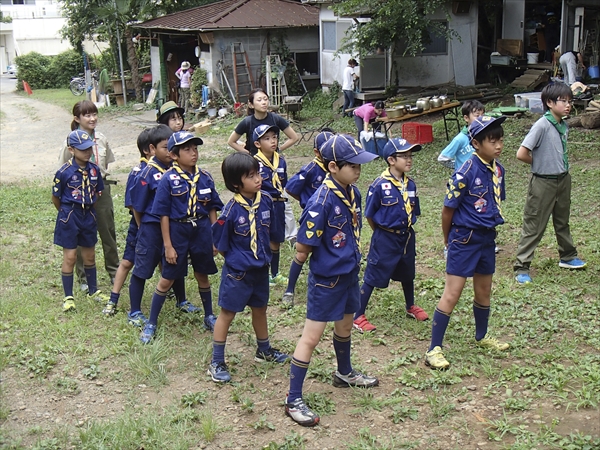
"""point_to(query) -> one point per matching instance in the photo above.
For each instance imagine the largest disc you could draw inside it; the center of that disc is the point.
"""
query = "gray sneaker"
(355, 379)
(300, 413)
(288, 299)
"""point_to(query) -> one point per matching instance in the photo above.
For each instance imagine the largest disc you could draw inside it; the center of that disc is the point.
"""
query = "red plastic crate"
(417, 133)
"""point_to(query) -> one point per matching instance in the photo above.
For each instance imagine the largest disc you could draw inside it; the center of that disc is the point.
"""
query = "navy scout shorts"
(330, 298)
(471, 251)
(148, 250)
(391, 257)
(130, 241)
(75, 227)
(241, 289)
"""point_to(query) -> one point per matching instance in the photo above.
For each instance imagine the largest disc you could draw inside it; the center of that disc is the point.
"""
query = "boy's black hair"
(143, 142)
(492, 132)
(164, 119)
(326, 129)
(340, 164)
(158, 134)
(235, 166)
(555, 91)
(471, 106)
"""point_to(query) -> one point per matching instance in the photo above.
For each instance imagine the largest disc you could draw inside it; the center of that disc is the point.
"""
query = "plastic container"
(417, 133)
(536, 105)
(370, 145)
(594, 71)
(532, 58)
(522, 100)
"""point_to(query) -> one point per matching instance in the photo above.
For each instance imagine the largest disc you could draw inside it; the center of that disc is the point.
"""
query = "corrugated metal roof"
(236, 14)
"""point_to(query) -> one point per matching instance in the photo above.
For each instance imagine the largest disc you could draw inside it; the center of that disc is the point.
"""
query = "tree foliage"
(407, 22)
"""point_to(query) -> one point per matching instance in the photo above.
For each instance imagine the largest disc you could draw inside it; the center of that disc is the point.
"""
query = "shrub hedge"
(48, 72)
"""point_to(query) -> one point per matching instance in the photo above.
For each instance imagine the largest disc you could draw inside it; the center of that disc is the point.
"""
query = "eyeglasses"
(91, 115)
(403, 156)
(567, 102)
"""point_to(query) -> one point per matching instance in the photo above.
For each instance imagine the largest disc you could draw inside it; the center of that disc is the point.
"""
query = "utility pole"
(120, 54)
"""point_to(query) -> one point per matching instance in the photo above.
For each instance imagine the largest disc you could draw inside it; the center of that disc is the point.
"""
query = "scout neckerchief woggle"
(403, 188)
(350, 204)
(85, 186)
(252, 209)
(562, 131)
(493, 167)
(193, 183)
(273, 166)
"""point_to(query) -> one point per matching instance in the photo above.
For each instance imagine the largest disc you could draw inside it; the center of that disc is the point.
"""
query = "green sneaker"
(277, 279)
(435, 359)
(98, 296)
(69, 304)
(492, 343)
(110, 309)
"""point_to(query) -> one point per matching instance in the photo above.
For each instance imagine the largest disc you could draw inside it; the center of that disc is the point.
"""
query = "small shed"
(222, 35)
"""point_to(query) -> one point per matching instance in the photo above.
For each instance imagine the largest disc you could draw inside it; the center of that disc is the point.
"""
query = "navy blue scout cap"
(481, 123)
(398, 145)
(321, 138)
(181, 137)
(261, 130)
(80, 140)
(343, 147)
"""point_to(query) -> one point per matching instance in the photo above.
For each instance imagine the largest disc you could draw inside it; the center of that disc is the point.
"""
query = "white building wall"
(332, 66)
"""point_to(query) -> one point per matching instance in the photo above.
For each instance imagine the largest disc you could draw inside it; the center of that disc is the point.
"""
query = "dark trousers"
(348, 101)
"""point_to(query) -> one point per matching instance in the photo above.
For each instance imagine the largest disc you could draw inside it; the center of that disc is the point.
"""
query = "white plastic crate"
(522, 100)
(536, 105)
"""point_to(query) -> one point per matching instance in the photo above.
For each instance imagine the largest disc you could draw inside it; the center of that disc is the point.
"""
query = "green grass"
(543, 393)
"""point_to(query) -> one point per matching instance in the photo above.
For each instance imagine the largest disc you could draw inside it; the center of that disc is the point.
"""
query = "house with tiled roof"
(207, 36)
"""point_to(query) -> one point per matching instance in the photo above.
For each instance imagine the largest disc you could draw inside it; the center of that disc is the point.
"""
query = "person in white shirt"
(184, 73)
(348, 86)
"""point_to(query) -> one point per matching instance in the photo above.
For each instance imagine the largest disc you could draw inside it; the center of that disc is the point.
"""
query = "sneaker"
(523, 278)
(355, 379)
(69, 304)
(98, 296)
(137, 319)
(417, 313)
(496, 249)
(288, 299)
(110, 309)
(171, 294)
(363, 325)
(209, 322)
(300, 413)
(575, 263)
(187, 307)
(271, 355)
(492, 343)
(148, 333)
(277, 279)
(219, 372)
(435, 359)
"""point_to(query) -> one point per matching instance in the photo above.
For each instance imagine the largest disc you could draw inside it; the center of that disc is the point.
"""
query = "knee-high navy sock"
(218, 351)
(365, 294)
(274, 263)
(114, 297)
(206, 297)
(158, 300)
(179, 290)
(482, 315)
(298, 371)
(91, 278)
(408, 287)
(136, 291)
(67, 282)
(295, 269)
(263, 344)
(438, 328)
(341, 345)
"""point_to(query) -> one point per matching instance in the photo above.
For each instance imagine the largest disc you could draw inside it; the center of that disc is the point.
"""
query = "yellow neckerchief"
(328, 181)
(273, 166)
(252, 209)
(143, 159)
(153, 163)
(85, 183)
(193, 183)
(403, 188)
(495, 180)
(319, 163)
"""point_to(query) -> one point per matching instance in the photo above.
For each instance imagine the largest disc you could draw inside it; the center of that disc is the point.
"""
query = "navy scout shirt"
(267, 177)
(471, 193)
(305, 183)
(386, 207)
(68, 183)
(326, 225)
(144, 189)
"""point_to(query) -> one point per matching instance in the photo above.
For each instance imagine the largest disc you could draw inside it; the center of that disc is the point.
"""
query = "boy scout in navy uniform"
(301, 187)
(330, 229)
(77, 186)
(471, 212)
(392, 210)
(273, 170)
(242, 235)
(187, 203)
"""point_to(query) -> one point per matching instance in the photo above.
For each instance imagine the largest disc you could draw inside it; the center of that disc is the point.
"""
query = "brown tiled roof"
(236, 14)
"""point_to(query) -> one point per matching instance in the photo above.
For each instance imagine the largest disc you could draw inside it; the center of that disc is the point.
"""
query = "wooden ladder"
(276, 86)
(242, 76)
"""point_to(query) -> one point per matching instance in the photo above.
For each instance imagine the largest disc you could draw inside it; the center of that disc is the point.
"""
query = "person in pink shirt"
(366, 114)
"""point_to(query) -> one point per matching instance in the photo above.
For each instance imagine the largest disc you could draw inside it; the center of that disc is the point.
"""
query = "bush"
(33, 68)
(64, 67)
(199, 79)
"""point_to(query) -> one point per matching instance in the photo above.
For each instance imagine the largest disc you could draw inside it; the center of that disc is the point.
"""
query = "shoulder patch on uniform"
(385, 186)
(313, 214)
(174, 176)
(309, 234)
(157, 176)
(302, 177)
(319, 233)
(459, 176)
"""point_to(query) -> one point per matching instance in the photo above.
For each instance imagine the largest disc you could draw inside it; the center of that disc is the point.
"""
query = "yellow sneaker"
(69, 304)
(99, 297)
(492, 343)
(435, 359)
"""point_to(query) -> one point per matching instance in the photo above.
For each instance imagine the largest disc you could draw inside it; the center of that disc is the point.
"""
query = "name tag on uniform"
(280, 170)
(205, 191)
(411, 193)
(266, 214)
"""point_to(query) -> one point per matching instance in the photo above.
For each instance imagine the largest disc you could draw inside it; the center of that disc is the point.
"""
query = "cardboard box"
(510, 47)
